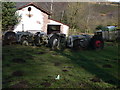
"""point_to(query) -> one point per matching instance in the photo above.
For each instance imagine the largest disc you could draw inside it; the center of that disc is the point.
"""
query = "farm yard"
(60, 45)
(37, 67)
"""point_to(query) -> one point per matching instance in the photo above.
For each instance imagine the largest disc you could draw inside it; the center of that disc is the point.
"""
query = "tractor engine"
(40, 38)
(78, 41)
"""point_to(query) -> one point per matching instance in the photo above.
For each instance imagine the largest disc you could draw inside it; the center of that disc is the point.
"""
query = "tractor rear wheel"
(53, 42)
(37, 41)
(57, 42)
(97, 43)
(76, 44)
(9, 38)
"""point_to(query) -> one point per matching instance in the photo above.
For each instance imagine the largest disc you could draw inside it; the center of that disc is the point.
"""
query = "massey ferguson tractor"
(57, 41)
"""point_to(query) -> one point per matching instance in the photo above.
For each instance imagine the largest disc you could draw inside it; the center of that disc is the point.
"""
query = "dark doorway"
(53, 29)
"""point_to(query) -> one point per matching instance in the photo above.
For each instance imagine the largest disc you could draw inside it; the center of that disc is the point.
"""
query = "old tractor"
(57, 41)
(85, 42)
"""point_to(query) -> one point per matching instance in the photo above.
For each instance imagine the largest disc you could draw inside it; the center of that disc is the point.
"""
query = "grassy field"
(37, 67)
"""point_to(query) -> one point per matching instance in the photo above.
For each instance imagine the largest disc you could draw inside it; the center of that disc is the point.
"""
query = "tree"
(101, 27)
(72, 13)
(9, 17)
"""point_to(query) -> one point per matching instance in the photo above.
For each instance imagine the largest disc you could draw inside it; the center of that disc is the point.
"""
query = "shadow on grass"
(84, 62)
(91, 67)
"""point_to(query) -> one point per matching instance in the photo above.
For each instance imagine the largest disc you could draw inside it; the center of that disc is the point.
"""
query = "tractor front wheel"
(24, 41)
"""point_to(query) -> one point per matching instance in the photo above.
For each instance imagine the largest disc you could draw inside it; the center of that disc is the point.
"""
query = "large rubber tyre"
(62, 43)
(37, 41)
(57, 42)
(24, 41)
(97, 43)
(9, 38)
(76, 44)
(53, 42)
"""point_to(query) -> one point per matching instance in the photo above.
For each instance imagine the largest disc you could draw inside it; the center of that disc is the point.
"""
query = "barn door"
(53, 29)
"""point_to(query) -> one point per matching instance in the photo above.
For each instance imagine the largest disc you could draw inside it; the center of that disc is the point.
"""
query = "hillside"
(86, 16)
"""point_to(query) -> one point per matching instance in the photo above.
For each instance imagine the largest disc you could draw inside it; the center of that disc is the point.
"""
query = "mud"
(107, 66)
(57, 64)
(95, 79)
(18, 73)
(46, 84)
(65, 70)
(18, 60)
(22, 84)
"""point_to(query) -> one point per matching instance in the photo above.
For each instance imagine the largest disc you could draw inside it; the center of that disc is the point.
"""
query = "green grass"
(81, 66)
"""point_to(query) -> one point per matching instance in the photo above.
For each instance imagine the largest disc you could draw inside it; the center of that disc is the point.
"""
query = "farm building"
(35, 19)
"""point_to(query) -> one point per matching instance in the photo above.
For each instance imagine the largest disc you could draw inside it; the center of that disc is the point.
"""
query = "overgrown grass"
(77, 69)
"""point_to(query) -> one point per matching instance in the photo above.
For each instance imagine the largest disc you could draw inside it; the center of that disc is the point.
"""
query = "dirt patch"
(66, 80)
(82, 84)
(109, 44)
(8, 50)
(118, 87)
(65, 70)
(8, 65)
(57, 64)
(40, 53)
(3, 57)
(70, 74)
(107, 66)
(18, 60)
(12, 54)
(55, 54)
(7, 80)
(18, 73)
(22, 84)
(29, 56)
(82, 66)
(46, 84)
(49, 76)
(111, 81)
(68, 67)
(95, 79)
(45, 80)
(53, 80)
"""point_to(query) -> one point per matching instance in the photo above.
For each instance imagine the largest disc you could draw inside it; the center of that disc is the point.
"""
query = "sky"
(58, 0)
(114, 0)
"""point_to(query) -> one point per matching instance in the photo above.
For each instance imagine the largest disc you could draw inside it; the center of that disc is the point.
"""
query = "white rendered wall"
(52, 22)
(30, 23)
(65, 30)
